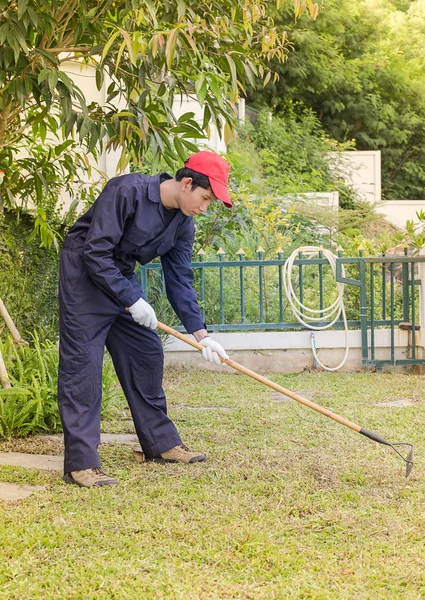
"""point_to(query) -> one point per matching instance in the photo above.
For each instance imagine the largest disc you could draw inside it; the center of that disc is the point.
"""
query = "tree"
(359, 67)
(147, 51)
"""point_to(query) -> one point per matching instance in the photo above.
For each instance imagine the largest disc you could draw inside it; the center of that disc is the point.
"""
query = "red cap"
(216, 169)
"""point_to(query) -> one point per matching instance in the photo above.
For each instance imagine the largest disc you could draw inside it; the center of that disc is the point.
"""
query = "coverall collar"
(154, 193)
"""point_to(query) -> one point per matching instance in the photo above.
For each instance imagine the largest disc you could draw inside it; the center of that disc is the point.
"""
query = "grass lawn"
(289, 504)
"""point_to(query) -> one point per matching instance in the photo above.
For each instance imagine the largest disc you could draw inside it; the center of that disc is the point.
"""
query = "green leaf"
(66, 80)
(48, 55)
(180, 149)
(109, 43)
(70, 124)
(21, 38)
(218, 94)
(234, 76)
(42, 130)
(63, 147)
(3, 32)
(185, 117)
(99, 78)
(170, 47)
(190, 146)
(207, 117)
(250, 75)
(130, 46)
(181, 9)
(201, 89)
(22, 7)
(43, 75)
(52, 80)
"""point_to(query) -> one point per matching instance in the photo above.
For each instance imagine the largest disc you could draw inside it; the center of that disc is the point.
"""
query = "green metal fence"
(381, 293)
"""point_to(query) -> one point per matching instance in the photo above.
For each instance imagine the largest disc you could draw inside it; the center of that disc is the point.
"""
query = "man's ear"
(186, 183)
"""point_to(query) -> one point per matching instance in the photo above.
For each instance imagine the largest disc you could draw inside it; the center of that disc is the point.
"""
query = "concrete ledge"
(288, 352)
(269, 361)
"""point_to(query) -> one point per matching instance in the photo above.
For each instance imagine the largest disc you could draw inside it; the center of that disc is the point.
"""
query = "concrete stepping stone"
(10, 492)
(32, 461)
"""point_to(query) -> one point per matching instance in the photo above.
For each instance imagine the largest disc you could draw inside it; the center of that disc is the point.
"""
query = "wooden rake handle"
(264, 380)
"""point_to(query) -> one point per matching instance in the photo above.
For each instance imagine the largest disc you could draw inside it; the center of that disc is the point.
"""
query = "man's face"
(193, 202)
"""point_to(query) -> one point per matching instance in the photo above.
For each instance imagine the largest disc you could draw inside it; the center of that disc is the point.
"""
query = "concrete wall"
(327, 199)
(362, 170)
(185, 104)
(397, 212)
(288, 352)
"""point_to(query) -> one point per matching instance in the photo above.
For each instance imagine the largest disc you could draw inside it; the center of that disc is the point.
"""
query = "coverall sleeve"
(178, 277)
(113, 207)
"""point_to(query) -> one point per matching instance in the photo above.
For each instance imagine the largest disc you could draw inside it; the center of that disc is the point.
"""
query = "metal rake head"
(377, 438)
(410, 457)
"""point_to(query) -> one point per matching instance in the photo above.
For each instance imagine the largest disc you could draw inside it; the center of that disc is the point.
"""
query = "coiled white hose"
(303, 313)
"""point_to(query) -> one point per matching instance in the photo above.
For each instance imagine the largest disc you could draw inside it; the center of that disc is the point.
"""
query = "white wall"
(362, 170)
(398, 212)
(327, 199)
(185, 104)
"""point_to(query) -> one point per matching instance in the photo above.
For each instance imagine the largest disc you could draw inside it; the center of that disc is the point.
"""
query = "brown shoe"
(178, 454)
(89, 478)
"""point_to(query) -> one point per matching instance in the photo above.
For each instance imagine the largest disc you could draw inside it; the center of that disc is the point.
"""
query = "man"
(135, 218)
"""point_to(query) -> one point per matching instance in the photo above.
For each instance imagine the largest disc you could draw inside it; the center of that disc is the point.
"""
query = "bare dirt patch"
(397, 403)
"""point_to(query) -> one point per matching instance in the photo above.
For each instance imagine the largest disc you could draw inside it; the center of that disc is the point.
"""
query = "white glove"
(212, 350)
(143, 313)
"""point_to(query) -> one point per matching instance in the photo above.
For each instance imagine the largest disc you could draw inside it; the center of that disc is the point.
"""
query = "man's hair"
(198, 180)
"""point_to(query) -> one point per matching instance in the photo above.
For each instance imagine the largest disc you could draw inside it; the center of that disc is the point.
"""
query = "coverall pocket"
(133, 239)
(81, 377)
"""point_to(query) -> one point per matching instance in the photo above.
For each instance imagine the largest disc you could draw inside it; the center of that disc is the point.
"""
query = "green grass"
(289, 504)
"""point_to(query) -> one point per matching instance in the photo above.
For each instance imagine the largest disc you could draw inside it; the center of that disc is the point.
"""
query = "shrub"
(30, 405)
(29, 277)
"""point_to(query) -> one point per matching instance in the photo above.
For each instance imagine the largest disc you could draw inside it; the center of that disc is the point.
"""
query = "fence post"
(221, 254)
(280, 257)
(241, 254)
(202, 282)
(260, 251)
(421, 273)
(406, 293)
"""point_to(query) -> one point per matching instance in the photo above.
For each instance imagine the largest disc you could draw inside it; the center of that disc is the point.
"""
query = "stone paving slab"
(127, 439)
(16, 491)
(34, 461)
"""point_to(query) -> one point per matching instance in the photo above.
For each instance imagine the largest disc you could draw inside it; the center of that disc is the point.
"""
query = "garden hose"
(306, 315)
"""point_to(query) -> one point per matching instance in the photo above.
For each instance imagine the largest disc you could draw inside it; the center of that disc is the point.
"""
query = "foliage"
(30, 405)
(29, 277)
(413, 235)
(144, 53)
(359, 68)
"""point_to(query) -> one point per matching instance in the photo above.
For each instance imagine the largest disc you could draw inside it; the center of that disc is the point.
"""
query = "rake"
(324, 411)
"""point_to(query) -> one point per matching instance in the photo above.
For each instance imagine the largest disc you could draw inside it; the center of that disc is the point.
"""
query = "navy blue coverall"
(97, 282)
